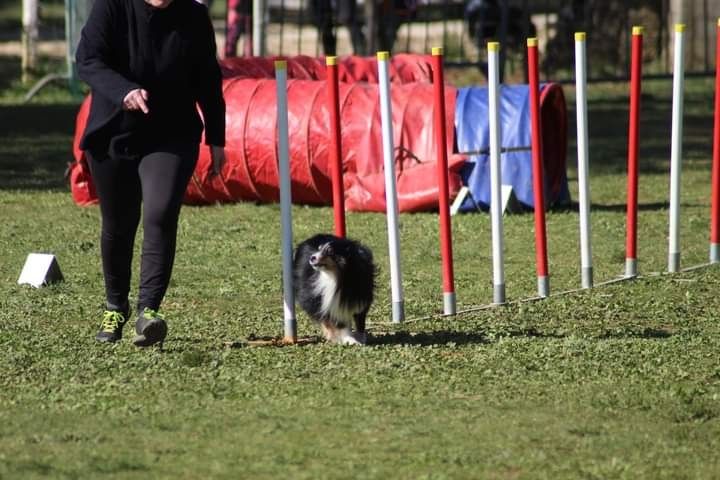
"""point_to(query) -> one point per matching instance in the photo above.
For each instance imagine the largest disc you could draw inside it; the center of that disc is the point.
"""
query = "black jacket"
(171, 53)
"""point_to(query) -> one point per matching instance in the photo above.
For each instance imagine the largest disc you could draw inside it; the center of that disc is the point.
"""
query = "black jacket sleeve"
(95, 53)
(208, 82)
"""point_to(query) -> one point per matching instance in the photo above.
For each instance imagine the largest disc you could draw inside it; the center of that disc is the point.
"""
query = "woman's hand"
(217, 154)
(136, 100)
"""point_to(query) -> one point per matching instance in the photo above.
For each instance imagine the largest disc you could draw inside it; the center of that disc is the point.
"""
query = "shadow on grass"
(441, 337)
(448, 337)
(193, 355)
(608, 134)
(36, 146)
(646, 334)
(617, 207)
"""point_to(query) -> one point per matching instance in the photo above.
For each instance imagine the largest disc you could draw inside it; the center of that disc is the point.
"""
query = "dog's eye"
(329, 250)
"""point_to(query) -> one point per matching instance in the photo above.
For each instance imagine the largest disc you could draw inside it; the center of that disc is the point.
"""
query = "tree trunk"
(258, 31)
(29, 37)
(370, 26)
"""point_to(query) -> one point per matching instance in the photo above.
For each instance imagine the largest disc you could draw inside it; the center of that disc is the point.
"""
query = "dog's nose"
(313, 259)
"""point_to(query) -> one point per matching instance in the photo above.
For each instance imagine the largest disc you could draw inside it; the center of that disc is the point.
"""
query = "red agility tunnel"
(404, 68)
(251, 171)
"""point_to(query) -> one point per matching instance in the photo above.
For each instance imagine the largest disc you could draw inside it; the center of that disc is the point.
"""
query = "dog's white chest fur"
(326, 286)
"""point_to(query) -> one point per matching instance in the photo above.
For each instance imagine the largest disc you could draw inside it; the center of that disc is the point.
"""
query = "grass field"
(622, 381)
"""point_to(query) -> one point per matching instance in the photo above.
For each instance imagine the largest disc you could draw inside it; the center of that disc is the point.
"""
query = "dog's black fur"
(334, 280)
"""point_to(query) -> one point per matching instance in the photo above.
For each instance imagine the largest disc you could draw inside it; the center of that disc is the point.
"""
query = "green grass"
(622, 381)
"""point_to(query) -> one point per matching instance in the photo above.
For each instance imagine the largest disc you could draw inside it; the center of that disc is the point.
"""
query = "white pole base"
(587, 277)
(543, 284)
(674, 262)
(499, 294)
(398, 312)
(715, 253)
(449, 305)
(631, 270)
(290, 329)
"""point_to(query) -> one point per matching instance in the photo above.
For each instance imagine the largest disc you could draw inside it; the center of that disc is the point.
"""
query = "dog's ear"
(365, 253)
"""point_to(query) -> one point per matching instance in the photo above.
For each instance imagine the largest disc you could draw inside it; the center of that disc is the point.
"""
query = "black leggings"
(158, 179)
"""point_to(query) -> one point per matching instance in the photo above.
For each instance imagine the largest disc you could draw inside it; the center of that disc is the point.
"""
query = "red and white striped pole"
(543, 281)
(633, 135)
(333, 90)
(715, 212)
(449, 304)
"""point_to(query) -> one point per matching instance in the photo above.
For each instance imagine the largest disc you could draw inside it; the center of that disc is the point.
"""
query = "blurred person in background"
(329, 14)
(239, 22)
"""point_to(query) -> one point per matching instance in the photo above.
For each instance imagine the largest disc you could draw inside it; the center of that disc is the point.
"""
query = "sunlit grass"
(621, 381)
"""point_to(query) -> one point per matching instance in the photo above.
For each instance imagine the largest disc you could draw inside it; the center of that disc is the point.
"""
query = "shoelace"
(112, 320)
(151, 314)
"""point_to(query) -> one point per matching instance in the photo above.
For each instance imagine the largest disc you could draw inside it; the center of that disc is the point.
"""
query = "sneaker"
(112, 324)
(150, 328)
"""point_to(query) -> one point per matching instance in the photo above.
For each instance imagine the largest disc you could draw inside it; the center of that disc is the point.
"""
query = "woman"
(148, 63)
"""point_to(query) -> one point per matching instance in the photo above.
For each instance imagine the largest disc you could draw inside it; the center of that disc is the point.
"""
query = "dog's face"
(327, 258)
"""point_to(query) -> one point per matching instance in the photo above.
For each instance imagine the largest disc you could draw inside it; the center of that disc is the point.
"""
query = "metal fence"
(463, 27)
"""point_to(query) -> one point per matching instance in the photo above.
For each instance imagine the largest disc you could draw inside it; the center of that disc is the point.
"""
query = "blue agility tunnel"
(473, 139)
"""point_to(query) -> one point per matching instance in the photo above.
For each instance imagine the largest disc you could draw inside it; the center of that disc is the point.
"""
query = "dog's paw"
(360, 337)
(350, 339)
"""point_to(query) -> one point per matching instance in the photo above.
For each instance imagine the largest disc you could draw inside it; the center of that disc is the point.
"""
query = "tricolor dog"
(334, 282)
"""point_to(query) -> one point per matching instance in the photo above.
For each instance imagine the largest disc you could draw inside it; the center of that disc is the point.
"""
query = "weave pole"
(631, 269)
(715, 209)
(285, 201)
(449, 303)
(493, 51)
(541, 261)
(391, 205)
(582, 153)
(333, 89)
(676, 148)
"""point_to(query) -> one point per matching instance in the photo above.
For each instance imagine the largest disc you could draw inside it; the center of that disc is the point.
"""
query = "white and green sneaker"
(150, 328)
(111, 327)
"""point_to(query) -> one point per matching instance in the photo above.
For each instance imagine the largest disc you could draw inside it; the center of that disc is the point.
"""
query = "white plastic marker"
(496, 210)
(285, 201)
(391, 206)
(676, 148)
(582, 154)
